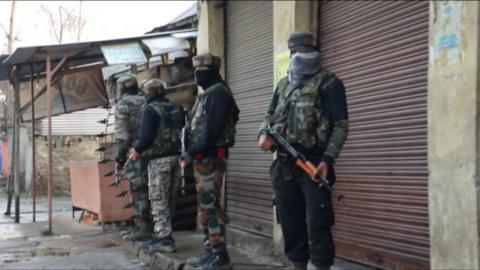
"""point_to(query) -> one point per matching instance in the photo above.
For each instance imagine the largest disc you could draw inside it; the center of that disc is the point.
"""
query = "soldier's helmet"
(206, 59)
(127, 83)
(301, 40)
(153, 86)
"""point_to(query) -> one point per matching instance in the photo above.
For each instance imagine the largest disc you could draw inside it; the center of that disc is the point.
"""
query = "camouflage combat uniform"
(127, 119)
(212, 131)
(159, 142)
(313, 118)
(209, 171)
(163, 167)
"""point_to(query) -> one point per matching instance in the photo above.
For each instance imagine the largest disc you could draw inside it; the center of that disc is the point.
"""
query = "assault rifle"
(300, 160)
(117, 173)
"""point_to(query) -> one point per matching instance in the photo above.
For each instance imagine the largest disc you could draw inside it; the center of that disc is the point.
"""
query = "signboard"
(128, 53)
(165, 44)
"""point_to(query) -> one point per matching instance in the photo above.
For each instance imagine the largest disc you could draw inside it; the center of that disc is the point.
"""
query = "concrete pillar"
(453, 137)
(288, 17)
(211, 35)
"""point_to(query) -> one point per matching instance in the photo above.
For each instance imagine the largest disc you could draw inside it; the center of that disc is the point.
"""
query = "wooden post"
(11, 34)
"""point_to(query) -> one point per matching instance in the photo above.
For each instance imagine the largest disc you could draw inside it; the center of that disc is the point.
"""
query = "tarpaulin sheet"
(72, 92)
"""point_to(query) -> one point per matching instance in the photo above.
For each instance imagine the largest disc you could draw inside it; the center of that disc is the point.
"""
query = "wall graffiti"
(448, 43)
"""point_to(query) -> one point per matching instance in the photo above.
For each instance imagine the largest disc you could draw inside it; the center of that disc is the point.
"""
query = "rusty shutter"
(249, 72)
(380, 51)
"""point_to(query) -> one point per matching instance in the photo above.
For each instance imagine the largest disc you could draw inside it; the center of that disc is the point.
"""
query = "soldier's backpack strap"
(158, 107)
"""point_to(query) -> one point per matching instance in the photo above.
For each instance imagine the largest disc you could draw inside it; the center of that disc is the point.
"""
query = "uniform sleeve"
(217, 109)
(122, 136)
(269, 114)
(148, 129)
(336, 106)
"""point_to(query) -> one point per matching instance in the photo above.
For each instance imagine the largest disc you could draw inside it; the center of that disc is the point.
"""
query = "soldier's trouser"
(163, 184)
(209, 179)
(137, 175)
(305, 213)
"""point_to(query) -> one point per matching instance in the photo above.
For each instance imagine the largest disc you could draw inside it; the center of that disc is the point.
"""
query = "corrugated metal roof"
(80, 123)
(80, 53)
(191, 11)
(24, 54)
(186, 19)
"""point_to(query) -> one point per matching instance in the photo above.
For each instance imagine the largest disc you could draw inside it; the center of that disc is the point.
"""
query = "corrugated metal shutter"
(380, 50)
(81, 123)
(249, 72)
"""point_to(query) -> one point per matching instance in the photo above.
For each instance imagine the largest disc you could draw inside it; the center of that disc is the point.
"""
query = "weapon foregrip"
(304, 166)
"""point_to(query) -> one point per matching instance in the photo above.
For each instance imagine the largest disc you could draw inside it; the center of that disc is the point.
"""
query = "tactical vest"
(171, 121)
(198, 119)
(299, 115)
(129, 106)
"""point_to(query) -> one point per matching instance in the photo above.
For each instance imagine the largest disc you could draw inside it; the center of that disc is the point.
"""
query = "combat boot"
(299, 265)
(219, 259)
(200, 259)
(129, 230)
(142, 234)
(322, 268)
(163, 245)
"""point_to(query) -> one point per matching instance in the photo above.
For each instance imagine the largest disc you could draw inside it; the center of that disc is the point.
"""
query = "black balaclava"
(207, 77)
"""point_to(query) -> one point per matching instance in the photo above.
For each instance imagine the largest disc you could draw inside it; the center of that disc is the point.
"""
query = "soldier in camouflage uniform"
(159, 142)
(212, 132)
(127, 120)
(309, 109)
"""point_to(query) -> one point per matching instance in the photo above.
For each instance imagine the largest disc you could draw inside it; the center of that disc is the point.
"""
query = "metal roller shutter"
(249, 72)
(380, 51)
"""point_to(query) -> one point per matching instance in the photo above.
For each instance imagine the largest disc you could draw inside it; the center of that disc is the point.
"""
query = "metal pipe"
(11, 153)
(16, 142)
(33, 149)
(49, 115)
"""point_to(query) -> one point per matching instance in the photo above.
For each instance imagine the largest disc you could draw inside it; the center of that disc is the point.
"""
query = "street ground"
(72, 246)
(75, 245)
